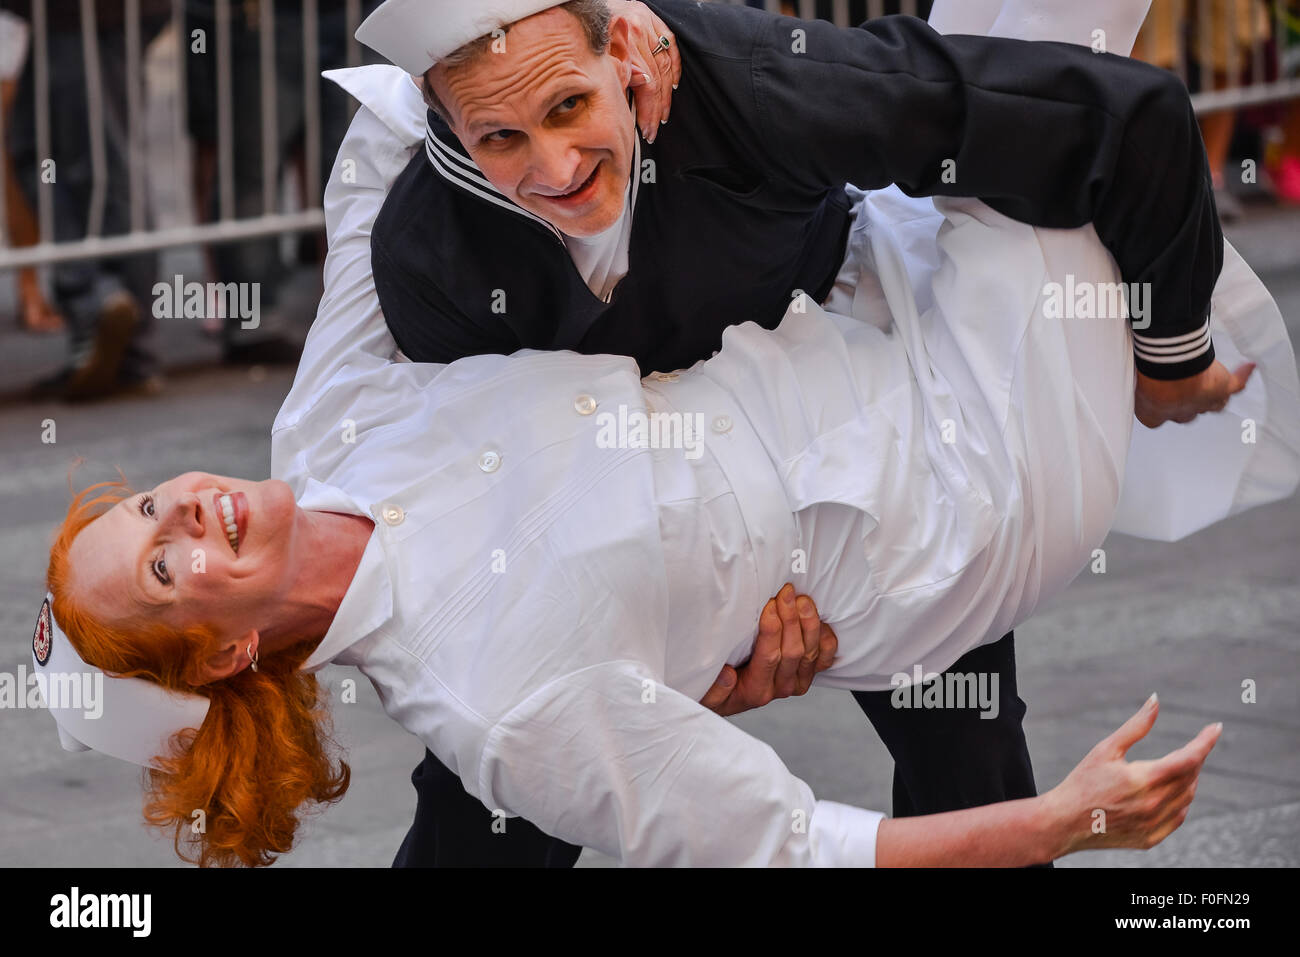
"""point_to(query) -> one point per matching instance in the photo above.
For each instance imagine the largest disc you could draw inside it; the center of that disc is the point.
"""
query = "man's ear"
(230, 658)
(427, 86)
(620, 48)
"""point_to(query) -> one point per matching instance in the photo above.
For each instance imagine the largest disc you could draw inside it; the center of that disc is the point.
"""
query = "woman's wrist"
(1015, 833)
(1056, 825)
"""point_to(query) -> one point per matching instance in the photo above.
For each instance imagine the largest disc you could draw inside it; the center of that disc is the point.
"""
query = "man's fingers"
(768, 642)
(811, 627)
(1182, 400)
(1135, 728)
(1150, 419)
(766, 656)
(716, 697)
(792, 650)
(1240, 376)
(830, 645)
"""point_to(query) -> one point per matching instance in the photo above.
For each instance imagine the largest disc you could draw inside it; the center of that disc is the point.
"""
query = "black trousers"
(945, 759)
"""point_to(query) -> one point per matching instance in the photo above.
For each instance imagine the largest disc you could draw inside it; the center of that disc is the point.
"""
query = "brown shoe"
(97, 377)
(145, 388)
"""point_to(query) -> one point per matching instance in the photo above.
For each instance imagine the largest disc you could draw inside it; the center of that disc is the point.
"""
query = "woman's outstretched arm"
(1105, 801)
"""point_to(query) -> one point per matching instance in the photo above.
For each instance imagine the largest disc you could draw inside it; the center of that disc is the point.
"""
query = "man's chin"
(586, 226)
(584, 222)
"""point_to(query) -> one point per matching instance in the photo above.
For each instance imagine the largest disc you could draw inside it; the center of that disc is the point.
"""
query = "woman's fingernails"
(805, 607)
(674, 86)
(1151, 701)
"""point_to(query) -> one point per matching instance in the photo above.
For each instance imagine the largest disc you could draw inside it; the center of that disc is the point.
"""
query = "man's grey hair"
(592, 14)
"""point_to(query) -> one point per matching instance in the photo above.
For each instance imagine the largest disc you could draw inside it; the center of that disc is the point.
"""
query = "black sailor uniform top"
(741, 203)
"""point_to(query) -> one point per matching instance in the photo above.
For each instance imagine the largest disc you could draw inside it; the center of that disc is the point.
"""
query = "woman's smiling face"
(199, 549)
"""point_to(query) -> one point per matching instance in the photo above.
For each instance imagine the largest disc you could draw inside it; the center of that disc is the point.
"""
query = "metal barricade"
(1244, 87)
(227, 227)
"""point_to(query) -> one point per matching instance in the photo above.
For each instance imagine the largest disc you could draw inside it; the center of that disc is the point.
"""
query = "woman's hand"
(654, 75)
(1104, 802)
(1109, 802)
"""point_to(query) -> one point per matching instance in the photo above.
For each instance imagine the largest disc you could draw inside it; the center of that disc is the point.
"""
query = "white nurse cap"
(416, 34)
(129, 718)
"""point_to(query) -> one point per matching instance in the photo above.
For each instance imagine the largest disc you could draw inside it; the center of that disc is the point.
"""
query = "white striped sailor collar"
(450, 160)
(368, 603)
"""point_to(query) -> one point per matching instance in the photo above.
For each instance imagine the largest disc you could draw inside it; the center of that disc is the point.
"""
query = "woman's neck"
(329, 546)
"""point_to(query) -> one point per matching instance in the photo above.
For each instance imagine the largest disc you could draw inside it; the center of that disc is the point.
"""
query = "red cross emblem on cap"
(41, 637)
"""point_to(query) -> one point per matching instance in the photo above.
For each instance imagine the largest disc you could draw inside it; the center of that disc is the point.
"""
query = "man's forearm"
(1050, 134)
(1009, 834)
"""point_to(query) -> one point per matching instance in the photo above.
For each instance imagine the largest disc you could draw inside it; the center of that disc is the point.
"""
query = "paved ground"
(1191, 621)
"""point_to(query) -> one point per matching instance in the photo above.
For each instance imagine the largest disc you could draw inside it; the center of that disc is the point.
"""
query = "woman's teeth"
(228, 514)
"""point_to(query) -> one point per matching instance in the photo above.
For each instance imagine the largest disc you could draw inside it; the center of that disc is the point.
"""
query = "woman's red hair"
(265, 748)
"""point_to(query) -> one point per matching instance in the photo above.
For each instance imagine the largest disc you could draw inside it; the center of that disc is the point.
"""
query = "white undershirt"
(602, 259)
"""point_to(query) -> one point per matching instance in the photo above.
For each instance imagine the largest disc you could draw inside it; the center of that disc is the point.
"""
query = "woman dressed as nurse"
(287, 583)
(127, 599)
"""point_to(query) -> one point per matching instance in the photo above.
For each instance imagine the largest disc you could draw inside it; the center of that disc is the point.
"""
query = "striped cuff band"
(1173, 350)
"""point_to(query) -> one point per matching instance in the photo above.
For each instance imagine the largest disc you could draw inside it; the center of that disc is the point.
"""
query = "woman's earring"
(253, 657)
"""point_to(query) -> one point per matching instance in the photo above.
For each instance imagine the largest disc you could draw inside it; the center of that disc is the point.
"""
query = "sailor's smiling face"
(198, 549)
(547, 119)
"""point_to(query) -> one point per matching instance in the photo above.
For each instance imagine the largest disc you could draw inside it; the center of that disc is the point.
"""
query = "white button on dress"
(489, 461)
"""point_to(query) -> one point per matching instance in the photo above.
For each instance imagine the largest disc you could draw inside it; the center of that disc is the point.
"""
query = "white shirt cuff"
(841, 835)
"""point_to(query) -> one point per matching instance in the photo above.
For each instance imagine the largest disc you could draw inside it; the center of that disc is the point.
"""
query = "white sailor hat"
(132, 719)
(416, 34)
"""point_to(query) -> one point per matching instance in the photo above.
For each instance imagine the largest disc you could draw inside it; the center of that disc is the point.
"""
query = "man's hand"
(1180, 400)
(654, 75)
(792, 646)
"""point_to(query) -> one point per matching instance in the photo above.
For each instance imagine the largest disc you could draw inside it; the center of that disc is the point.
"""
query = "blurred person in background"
(259, 260)
(35, 314)
(1284, 171)
(105, 301)
(1219, 38)
(1284, 165)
